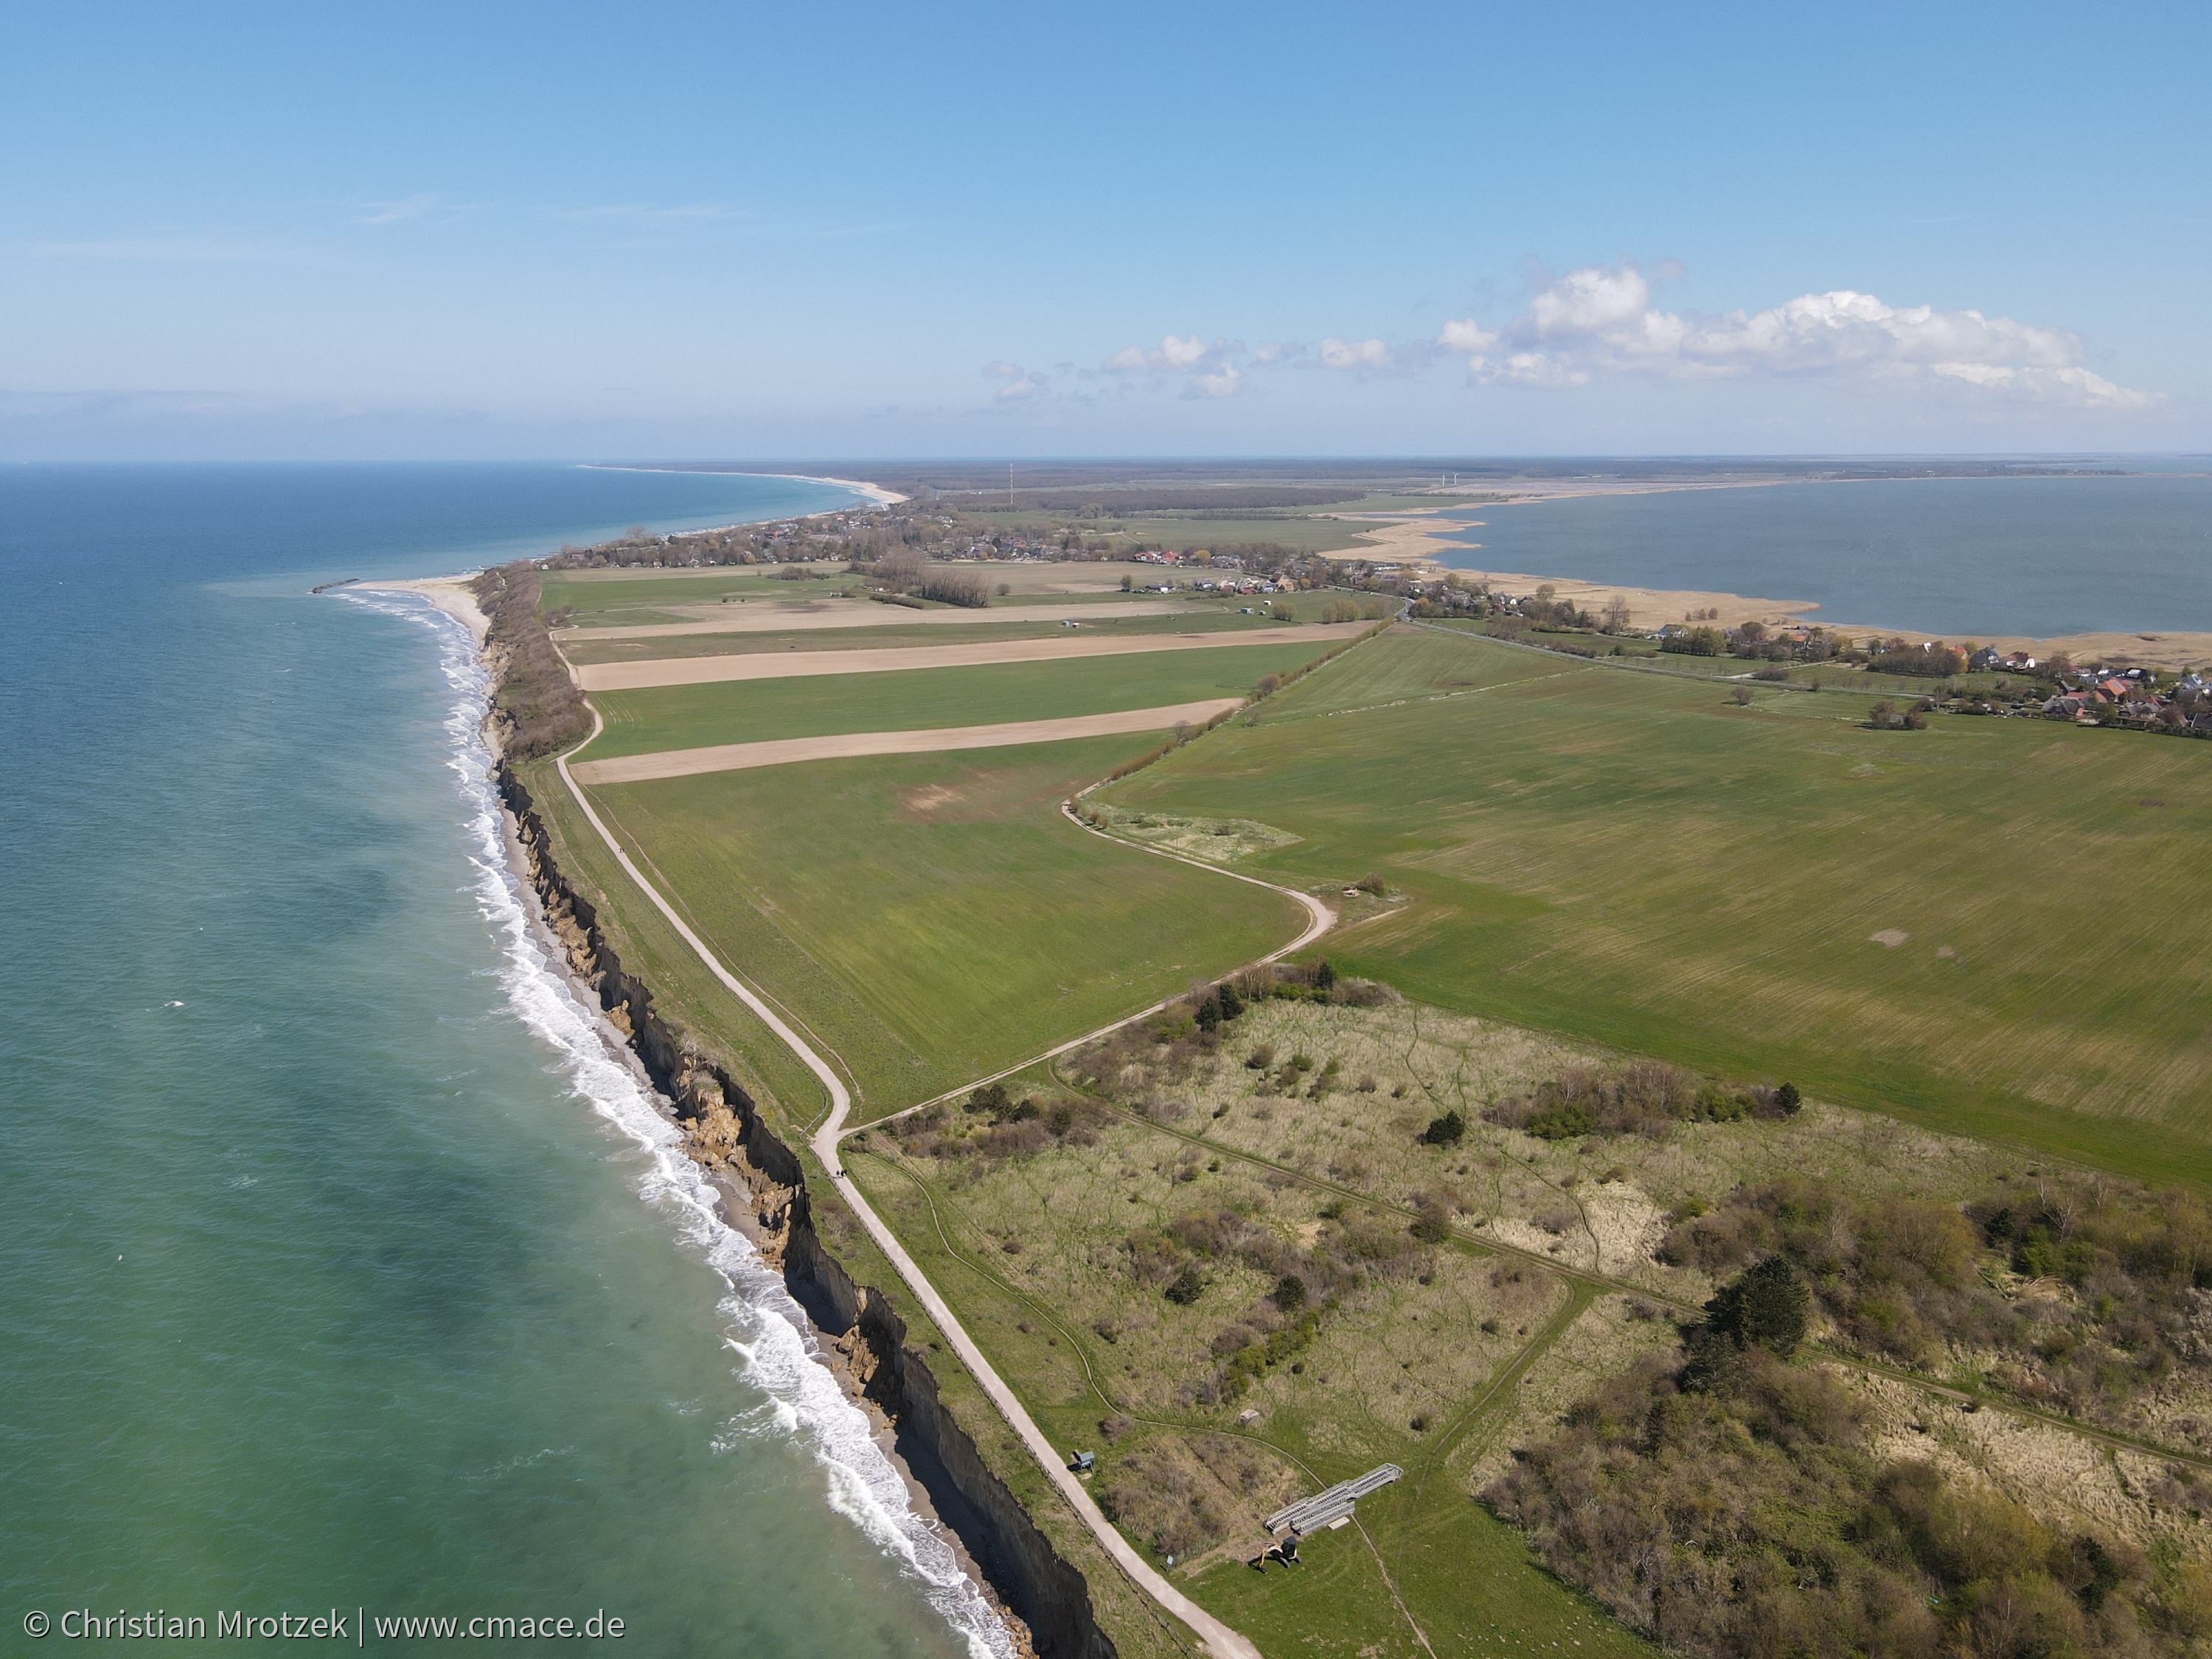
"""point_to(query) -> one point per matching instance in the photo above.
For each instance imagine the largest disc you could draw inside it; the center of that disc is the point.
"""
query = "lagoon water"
(344, 1265)
(2039, 556)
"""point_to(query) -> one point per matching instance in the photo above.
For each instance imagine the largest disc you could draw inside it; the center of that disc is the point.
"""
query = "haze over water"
(1953, 556)
(344, 1264)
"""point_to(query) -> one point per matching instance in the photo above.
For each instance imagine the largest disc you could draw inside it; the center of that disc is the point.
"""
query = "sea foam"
(776, 1348)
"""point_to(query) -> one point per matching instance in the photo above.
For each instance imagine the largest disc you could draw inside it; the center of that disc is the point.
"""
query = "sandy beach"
(450, 594)
(876, 493)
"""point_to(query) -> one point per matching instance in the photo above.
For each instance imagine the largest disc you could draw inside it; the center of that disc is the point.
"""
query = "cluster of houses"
(2133, 697)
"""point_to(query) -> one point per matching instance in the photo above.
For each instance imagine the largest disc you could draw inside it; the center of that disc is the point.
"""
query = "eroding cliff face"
(724, 1132)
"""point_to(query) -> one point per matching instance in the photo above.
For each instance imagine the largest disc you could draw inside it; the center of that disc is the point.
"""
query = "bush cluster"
(536, 705)
(1728, 1504)
(1741, 1513)
(1641, 1097)
(993, 1125)
(2089, 1291)
(1141, 1059)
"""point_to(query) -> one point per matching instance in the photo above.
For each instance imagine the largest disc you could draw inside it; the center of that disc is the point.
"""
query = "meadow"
(1117, 1249)
(629, 596)
(610, 598)
(917, 699)
(931, 918)
(1990, 926)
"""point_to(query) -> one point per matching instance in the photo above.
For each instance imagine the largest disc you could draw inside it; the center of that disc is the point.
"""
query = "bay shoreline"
(1413, 539)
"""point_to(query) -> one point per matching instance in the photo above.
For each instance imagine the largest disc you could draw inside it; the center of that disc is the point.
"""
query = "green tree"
(1189, 1285)
(1446, 1131)
(1764, 1306)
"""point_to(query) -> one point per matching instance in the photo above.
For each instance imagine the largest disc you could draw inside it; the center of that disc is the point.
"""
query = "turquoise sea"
(2039, 556)
(344, 1264)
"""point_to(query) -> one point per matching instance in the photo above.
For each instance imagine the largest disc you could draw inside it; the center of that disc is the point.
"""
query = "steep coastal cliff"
(727, 1134)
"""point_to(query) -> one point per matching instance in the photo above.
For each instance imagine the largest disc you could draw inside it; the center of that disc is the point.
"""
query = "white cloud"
(1208, 363)
(1355, 354)
(1173, 352)
(1020, 383)
(1470, 337)
(1600, 318)
(1183, 353)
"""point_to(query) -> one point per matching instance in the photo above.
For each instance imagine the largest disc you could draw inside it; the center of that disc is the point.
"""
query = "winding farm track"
(1219, 1639)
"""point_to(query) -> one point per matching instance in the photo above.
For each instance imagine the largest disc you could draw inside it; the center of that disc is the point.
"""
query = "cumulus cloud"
(1208, 364)
(1020, 383)
(1601, 319)
(1356, 354)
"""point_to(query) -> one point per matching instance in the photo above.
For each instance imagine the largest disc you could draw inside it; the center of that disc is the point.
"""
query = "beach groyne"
(726, 1133)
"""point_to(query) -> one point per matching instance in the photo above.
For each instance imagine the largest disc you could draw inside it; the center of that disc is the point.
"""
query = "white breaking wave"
(766, 1328)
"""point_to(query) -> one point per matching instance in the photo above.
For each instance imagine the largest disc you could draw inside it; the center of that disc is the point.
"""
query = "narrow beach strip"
(780, 666)
(779, 615)
(784, 752)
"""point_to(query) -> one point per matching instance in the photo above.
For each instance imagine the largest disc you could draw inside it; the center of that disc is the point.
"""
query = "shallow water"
(346, 1264)
(1956, 556)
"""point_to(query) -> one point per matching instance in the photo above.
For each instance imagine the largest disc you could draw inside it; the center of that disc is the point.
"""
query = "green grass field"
(609, 599)
(1633, 859)
(917, 699)
(931, 918)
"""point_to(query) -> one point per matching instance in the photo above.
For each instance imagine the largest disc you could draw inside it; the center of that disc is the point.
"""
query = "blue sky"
(472, 230)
